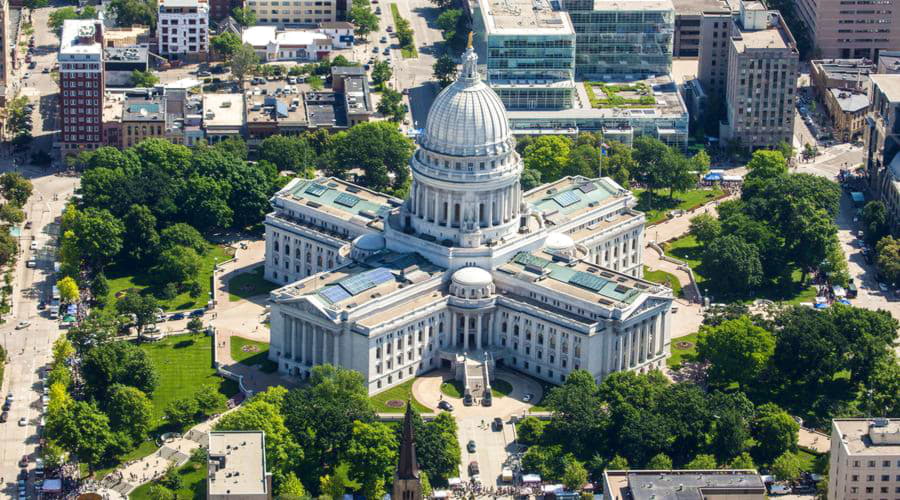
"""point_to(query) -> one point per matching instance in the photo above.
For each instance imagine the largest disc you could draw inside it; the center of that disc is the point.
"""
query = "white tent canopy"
(531, 478)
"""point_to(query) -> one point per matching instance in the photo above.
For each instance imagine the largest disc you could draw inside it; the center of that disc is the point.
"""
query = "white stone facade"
(544, 282)
(183, 27)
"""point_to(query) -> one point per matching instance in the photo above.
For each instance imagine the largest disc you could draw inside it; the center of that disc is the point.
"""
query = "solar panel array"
(588, 281)
(334, 294)
(566, 199)
(526, 259)
(316, 189)
(587, 187)
(355, 285)
(347, 200)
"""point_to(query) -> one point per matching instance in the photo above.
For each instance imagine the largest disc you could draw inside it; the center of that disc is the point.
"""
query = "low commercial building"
(272, 44)
(865, 458)
(762, 80)
(717, 484)
(121, 61)
(848, 74)
(888, 62)
(325, 110)
(297, 13)
(882, 138)
(352, 83)
(847, 109)
(237, 466)
(143, 117)
(342, 33)
(274, 114)
(223, 116)
(127, 36)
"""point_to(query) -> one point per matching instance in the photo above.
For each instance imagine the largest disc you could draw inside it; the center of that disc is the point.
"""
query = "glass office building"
(622, 39)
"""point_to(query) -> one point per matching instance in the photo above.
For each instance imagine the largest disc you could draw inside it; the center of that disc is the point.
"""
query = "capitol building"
(469, 268)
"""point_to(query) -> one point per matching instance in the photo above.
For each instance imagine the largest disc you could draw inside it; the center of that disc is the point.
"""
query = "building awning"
(531, 478)
(857, 197)
(711, 177)
(52, 486)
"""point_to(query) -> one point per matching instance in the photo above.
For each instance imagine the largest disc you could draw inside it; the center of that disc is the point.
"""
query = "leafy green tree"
(530, 179)
(874, 219)
(381, 73)
(372, 454)
(660, 461)
(53, 454)
(143, 79)
(243, 61)
(234, 146)
(574, 475)
(685, 412)
(653, 161)
(530, 431)
(129, 410)
(181, 412)
(315, 82)
(185, 235)
(444, 70)
(379, 149)
(8, 247)
(404, 33)
(738, 351)
(11, 214)
(117, 363)
(291, 487)
(743, 461)
(437, 447)
(391, 105)
(83, 431)
(447, 21)
(288, 153)
(808, 350)
(705, 228)
(786, 150)
(15, 188)
(336, 484)
(195, 325)
(731, 435)
(98, 235)
(883, 394)
(209, 402)
(364, 20)
(548, 154)
(244, 16)
(177, 265)
(577, 412)
(702, 462)
(888, 260)
(787, 467)
(204, 203)
(96, 329)
(143, 307)
(226, 44)
(141, 240)
(160, 492)
(766, 164)
(68, 290)
(618, 463)
(132, 12)
(775, 433)
(732, 264)
(866, 336)
(584, 160)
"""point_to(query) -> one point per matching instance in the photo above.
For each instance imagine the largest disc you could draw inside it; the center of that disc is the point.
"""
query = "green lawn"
(255, 358)
(663, 278)
(657, 205)
(687, 249)
(501, 388)
(453, 388)
(410, 51)
(680, 355)
(184, 366)
(193, 477)
(122, 277)
(246, 285)
(402, 392)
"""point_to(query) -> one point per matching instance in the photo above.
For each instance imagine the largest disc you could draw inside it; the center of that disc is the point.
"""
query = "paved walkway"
(427, 390)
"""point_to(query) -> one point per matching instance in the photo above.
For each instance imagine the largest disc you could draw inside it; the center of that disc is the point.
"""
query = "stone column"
(436, 203)
(335, 357)
(478, 319)
(660, 334)
(315, 341)
(627, 348)
(450, 211)
(465, 332)
(452, 340)
(490, 210)
(302, 337)
(289, 351)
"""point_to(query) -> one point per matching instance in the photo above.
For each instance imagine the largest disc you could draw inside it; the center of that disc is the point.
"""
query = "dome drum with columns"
(545, 282)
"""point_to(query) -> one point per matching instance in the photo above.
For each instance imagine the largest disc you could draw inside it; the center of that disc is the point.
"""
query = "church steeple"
(407, 485)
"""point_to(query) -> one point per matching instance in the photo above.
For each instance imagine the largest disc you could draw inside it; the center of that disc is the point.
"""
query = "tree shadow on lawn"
(656, 201)
(183, 344)
(261, 361)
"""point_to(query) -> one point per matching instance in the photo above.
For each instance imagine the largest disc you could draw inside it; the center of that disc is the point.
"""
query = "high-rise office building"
(297, 13)
(715, 40)
(762, 79)
(865, 459)
(81, 83)
(850, 28)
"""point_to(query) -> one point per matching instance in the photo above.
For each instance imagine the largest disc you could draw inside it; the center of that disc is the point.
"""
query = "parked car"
(32, 65)
(31, 264)
(473, 468)
(7, 405)
(779, 489)
(204, 73)
(24, 461)
(467, 400)
(196, 313)
(471, 446)
(34, 245)
(23, 422)
(390, 29)
(19, 326)
(528, 397)
(498, 423)
(374, 50)
(28, 224)
(4, 416)
(445, 405)
(384, 39)
(176, 317)
(387, 51)
(42, 305)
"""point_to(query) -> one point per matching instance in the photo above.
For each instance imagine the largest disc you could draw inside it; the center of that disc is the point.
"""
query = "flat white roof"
(181, 3)
(223, 110)
(524, 17)
(73, 29)
(261, 36)
(889, 84)
(258, 36)
(237, 463)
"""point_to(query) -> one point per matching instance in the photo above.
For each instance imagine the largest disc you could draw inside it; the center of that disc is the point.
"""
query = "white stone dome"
(472, 276)
(559, 242)
(371, 242)
(467, 118)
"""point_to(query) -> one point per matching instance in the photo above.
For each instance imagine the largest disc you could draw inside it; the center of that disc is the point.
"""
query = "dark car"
(498, 423)
(445, 405)
(24, 461)
(42, 305)
(204, 73)
(4, 416)
(471, 446)
(473, 468)
(196, 313)
(7, 405)
(467, 400)
(176, 316)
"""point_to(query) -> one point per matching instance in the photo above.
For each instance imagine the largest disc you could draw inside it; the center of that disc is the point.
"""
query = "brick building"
(82, 87)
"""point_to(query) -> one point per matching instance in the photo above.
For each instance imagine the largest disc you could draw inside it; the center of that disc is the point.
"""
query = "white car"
(34, 245)
(23, 422)
(882, 287)
(23, 324)
(528, 397)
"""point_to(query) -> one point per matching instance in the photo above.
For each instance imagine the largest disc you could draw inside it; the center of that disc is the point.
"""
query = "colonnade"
(449, 209)
(310, 344)
(639, 343)
(479, 318)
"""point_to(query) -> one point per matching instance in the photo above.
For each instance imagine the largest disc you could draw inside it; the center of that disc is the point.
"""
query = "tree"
(808, 349)
(195, 325)
(404, 33)
(315, 82)
(731, 435)
(63, 351)
(437, 446)
(117, 363)
(576, 407)
(134, 12)
(288, 153)
(548, 154)
(391, 105)
(143, 79)
(141, 240)
(35, 4)
(530, 431)
(181, 412)
(874, 219)
(291, 487)
(372, 454)
(888, 260)
(160, 492)
(702, 462)
(379, 149)
(11, 214)
(243, 61)
(787, 467)
(8, 247)
(654, 163)
(363, 19)
(444, 70)
(381, 73)
(884, 388)
(209, 402)
(334, 485)
(177, 265)
(786, 150)
(766, 164)
(129, 410)
(732, 264)
(226, 44)
(244, 16)
(98, 235)
(705, 228)
(234, 146)
(447, 22)
(738, 351)
(574, 475)
(142, 307)
(84, 432)
(775, 433)
(181, 234)
(530, 179)
(53, 454)
(660, 461)
(15, 188)
(68, 290)
(743, 461)
(618, 463)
